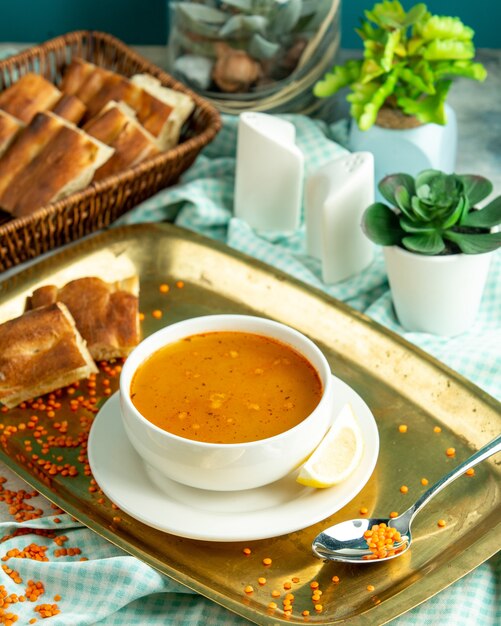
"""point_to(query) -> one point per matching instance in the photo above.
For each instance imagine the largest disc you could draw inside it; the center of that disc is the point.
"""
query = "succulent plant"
(410, 59)
(434, 214)
(273, 34)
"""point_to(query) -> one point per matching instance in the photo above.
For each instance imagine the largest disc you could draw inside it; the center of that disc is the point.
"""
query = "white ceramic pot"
(408, 150)
(436, 294)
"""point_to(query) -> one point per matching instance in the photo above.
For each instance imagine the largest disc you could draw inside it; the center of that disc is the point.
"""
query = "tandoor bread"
(41, 351)
(106, 314)
(96, 87)
(117, 127)
(66, 164)
(70, 107)
(182, 107)
(29, 95)
(9, 128)
(27, 145)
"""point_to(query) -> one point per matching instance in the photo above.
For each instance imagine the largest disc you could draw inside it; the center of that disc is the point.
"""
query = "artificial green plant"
(409, 61)
(434, 213)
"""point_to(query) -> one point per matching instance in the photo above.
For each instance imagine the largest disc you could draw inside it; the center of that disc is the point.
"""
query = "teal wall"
(145, 21)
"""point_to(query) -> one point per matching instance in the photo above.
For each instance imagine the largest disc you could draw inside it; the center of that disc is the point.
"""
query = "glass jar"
(261, 55)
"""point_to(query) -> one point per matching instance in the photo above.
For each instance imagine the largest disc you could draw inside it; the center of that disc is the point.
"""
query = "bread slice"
(66, 164)
(70, 107)
(27, 145)
(106, 314)
(29, 95)
(181, 103)
(9, 128)
(41, 351)
(118, 127)
(75, 75)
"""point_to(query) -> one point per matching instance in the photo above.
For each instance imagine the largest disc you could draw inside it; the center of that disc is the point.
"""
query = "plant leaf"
(475, 71)
(487, 217)
(414, 15)
(430, 109)
(381, 225)
(340, 76)
(455, 215)
(445, 27)
(476, 187)
(473, 243)
(411, 226)
(431, 244)
(443, 49)
(389, 184)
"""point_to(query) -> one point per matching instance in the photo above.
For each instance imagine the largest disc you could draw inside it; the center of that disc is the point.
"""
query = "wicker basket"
(101, 203)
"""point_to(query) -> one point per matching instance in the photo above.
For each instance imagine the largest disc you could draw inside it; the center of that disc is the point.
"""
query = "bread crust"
(53, 174)
(117, 126)
(29, 95)
(70, 108)
(41, 351)
(106, 314)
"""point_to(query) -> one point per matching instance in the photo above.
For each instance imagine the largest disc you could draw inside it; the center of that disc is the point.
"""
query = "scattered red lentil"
(402, 428)
(180, 284)
(305, 613)
(314, 584)
(404, 489)
(287, 585)
(157, 314)
(261, 580)
(295, 579)
(393, 514)
(364, 510)
(275, 593)
(370, 588)
(335, 579)
(437, 429)
(272, 605)
(424, 481)
(450, 451)
(470, 472)
(164, 288)
(249, 589)
(247, 551)
(319, 608)
(441, 523)
(47, 610)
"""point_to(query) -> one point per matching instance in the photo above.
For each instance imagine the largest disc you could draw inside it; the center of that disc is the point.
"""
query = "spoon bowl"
(347, 541)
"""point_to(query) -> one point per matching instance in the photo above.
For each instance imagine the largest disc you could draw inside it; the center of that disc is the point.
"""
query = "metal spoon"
(345, 541)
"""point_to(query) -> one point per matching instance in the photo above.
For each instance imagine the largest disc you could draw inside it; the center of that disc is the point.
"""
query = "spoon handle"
(482, 454)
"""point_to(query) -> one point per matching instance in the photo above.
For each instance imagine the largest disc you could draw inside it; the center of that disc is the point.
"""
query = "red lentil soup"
(226, 387)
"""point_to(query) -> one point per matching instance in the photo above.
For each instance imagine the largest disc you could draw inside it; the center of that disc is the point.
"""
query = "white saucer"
(277, 509)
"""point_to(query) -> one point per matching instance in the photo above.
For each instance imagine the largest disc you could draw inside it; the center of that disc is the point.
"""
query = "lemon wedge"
(337, 455)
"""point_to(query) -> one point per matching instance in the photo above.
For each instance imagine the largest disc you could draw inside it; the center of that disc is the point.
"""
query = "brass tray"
(400, 383)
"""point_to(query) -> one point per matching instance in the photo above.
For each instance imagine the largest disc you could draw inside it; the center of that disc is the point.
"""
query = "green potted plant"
(398, 90)
(437, 246)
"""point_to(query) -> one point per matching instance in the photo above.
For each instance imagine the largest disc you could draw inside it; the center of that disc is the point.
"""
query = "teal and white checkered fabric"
(113, 589)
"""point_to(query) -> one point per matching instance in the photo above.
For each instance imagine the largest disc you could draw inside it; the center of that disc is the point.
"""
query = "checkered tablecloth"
(111, 588)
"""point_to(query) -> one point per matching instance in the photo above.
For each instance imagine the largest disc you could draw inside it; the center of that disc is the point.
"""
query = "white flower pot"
(410, 150)
(436, 294)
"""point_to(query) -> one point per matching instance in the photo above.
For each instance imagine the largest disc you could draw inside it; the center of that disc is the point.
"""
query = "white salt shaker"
(269, 173)
(336, 196)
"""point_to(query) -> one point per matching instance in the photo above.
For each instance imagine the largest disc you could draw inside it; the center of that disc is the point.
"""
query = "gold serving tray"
(400, 383)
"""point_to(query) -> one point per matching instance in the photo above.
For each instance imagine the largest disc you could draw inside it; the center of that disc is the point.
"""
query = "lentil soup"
(226, 387)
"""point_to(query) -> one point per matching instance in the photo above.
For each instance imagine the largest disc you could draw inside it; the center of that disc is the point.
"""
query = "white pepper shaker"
(336, 196)
(269, 173)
